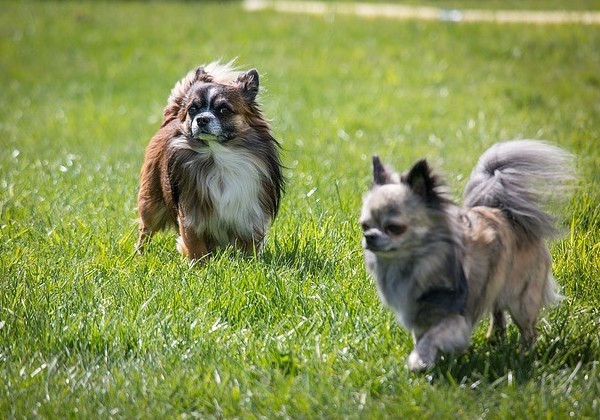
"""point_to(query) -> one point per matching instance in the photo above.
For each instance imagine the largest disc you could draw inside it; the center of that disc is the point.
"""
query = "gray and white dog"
(440, 267)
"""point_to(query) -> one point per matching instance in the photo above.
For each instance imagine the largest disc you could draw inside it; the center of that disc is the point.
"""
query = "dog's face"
(385, 218)
(219, 112)
(396, 211)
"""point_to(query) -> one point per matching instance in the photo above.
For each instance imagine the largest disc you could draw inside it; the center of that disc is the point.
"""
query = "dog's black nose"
(370, 239)
(203, 119)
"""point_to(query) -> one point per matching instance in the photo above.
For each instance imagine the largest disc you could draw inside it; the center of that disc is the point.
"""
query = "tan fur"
(505, 270)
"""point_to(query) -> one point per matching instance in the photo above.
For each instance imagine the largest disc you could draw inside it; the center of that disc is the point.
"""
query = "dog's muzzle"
(371, 240)
(206, 126)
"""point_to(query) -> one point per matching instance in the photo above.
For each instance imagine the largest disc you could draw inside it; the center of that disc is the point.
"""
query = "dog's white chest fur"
(232, 185)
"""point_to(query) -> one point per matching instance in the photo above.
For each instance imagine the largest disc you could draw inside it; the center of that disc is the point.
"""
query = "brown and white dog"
(213, 170)
(441, 267)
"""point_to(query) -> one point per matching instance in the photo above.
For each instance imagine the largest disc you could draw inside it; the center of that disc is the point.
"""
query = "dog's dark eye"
(192, 110)
(396, 229)
(364, 226)
(224, 110)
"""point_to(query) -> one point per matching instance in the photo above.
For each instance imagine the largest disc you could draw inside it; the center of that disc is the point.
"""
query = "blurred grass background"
(490, 4)
(88, 329)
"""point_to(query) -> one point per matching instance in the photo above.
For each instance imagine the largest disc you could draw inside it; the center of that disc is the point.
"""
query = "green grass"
(88, 329)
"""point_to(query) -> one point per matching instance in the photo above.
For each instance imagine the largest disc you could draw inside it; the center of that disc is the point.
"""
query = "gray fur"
(419, 273)
(440, 267)
(519, 177)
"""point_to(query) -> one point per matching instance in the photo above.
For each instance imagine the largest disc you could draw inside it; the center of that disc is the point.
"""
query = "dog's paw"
(416, 363)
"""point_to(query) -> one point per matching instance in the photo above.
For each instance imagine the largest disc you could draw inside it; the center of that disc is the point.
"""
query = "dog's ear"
(178, 97)
(420, 179)
(381, 175)
(248, 83)
(202, 76)
(175, 109)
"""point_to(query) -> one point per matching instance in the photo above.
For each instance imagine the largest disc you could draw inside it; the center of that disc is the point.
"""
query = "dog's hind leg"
(143, 239)
(153, 218)
(524, 313)
(532, 271)
(525, 308)
(497, 331)
(525, 320)
(452, 335)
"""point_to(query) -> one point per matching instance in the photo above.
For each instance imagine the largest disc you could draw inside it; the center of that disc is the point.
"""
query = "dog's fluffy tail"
(521, 177)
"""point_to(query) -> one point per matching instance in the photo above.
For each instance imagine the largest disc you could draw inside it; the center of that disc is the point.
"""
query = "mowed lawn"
(88, 329)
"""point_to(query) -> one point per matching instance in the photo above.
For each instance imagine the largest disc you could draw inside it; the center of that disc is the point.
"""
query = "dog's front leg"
(190, 244)
(452, 334)
(249, 246)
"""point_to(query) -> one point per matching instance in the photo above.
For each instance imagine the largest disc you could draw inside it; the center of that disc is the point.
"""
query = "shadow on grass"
(487, 362)
(561, 346)
(302, 256)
